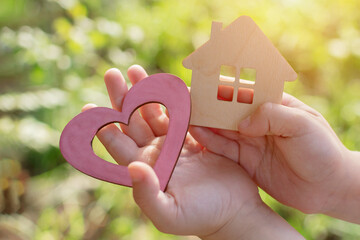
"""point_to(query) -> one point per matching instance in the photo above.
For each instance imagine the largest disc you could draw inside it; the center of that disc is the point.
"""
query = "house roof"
(243, 44)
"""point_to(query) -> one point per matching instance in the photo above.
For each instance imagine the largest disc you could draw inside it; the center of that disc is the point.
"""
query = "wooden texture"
(76, 138)
(241, 45)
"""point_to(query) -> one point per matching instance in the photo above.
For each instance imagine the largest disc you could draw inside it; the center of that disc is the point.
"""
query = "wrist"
(347, 201)
(258, 222)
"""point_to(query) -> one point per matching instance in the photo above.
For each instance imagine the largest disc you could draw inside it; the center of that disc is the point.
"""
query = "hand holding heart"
(208, 194)
(202, 183)
(77, 136)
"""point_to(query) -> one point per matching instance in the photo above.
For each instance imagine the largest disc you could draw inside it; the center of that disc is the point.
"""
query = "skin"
(209, 195)
(292, 153)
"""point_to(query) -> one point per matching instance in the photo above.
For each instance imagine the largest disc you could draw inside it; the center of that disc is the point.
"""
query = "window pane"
(245, 95)
(227, 73)
(247, 75)
(225, 93)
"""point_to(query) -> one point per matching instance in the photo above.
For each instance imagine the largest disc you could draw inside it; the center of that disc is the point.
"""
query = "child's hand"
(208, 195)
(292, 153)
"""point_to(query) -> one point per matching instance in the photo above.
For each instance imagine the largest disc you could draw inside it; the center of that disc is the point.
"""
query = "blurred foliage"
(11, 186)
(53, 54)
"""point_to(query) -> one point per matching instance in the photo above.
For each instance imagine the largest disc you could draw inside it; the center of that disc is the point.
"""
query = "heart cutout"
(76, 138)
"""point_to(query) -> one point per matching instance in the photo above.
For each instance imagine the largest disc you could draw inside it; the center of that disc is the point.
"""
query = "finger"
(157, 205)
(287, 100)
(88, 106)
(225, 93)
(275, 119)
(191, 146)
(230, 134)
(245, 95)
(152, 112)
(137, 129)
(215, 143)
(122, 148)
(116, 87)
(291, 101)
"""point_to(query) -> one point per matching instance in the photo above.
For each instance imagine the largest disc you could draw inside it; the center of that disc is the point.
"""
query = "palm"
(204, 186)
(285, 181)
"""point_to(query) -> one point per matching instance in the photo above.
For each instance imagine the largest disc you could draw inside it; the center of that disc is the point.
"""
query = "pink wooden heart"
(76, 138)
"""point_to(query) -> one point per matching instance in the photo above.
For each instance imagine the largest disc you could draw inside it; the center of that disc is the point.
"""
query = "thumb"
(147, 194)
(274, 119)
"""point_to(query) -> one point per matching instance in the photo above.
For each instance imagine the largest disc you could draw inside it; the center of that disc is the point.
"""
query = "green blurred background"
(53, 54)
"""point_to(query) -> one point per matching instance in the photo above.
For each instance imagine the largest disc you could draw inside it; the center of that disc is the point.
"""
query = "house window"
(228, 72)
(245, 95)
(226, 86)
(236, 86)
(225, 93)
(247, 82)
(248, 75)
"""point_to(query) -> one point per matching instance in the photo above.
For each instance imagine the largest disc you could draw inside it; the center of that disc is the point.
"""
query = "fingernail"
(136, 176)
(244, 123)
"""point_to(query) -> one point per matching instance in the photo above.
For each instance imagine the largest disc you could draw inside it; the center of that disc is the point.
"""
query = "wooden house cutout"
(241, 47)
